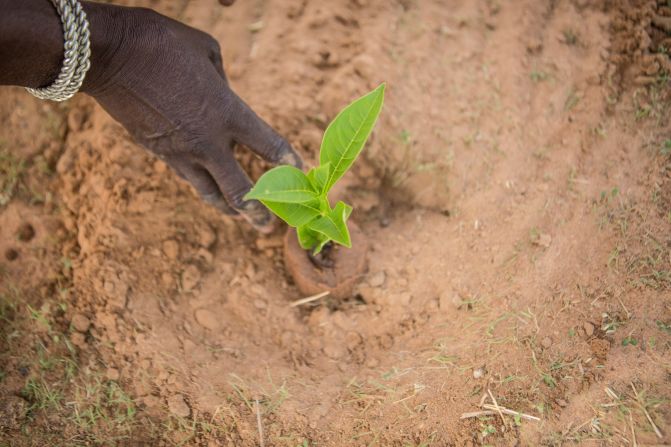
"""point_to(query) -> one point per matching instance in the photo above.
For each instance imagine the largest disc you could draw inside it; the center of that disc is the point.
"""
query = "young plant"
(302, 200)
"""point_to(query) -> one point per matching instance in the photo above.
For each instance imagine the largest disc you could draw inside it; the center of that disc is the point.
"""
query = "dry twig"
(309, 299)
(258, 423)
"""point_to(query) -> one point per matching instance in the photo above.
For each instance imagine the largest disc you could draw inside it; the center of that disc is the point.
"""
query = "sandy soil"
(516, 196)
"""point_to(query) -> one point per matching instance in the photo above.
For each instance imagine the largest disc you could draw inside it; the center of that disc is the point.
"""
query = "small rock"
(206, 236)
(206, 318)
(364, 65)
(112, 374)
(562, 403)
(80, 322)
(377, 279)
(589, 328)
(178, 406)
(546, 342)
(205, 255)
(260, 304)
(265, 243)
(479, 373)
(26, 232)
(352, 340)
(372, 362)
(78, 340)
(190, 278)
(166, 278)
(171, 249)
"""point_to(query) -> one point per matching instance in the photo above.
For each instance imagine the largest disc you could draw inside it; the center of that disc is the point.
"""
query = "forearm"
(31, 41)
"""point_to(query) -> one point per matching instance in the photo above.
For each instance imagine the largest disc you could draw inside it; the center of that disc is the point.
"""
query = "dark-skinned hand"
(165, 83)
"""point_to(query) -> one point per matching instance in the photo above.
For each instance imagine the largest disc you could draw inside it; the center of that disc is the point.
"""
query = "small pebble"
(178, 406)
(353, 339)
(206, 236)
(546, 342)
(205, 255)
(171, 249)
(479, 373)
(589, 328)
(190, 278)
(78, 340)
(81, 323)
(404, 298)
(377, 279)
(112, 374)
(260, 304)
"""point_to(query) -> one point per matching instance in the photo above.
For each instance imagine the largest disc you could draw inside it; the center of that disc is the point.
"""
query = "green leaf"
(334, 224)
(309, 238)
(283, 184)
(319, 176)
(294, 214)
(346, 135)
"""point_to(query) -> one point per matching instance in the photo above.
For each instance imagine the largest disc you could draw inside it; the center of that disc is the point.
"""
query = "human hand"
(165, 83)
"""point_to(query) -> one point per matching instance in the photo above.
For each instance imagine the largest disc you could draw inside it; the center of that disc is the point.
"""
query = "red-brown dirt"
(516, 196)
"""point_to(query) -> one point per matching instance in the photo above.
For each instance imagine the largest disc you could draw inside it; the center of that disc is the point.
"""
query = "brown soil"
(516, 197)
(346, 266)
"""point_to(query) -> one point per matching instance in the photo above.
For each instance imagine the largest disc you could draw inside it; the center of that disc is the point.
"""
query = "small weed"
(41, 395)
(666, 148)
(487, 430)
(539, 76)
(665, 327)
(629, 340)
(570, 37)
(572, 100)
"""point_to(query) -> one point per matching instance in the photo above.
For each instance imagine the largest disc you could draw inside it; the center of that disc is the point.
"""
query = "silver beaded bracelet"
(76, 60)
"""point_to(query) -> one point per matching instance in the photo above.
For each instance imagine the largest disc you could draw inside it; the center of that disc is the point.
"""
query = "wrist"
(116, 34)
(31, 43)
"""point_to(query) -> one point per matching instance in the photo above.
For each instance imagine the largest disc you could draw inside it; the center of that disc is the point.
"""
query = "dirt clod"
(13, 411)
(178, 406)
(207, 319)
(80, 322)
(600, 348)
(589, 328)
(206, 236)
(190, 278)
(112, 374)
(546, 342)
(171, 249)
(377, 279)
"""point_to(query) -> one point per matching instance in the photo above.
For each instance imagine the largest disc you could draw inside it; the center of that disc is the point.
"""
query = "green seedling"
(302, 200)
